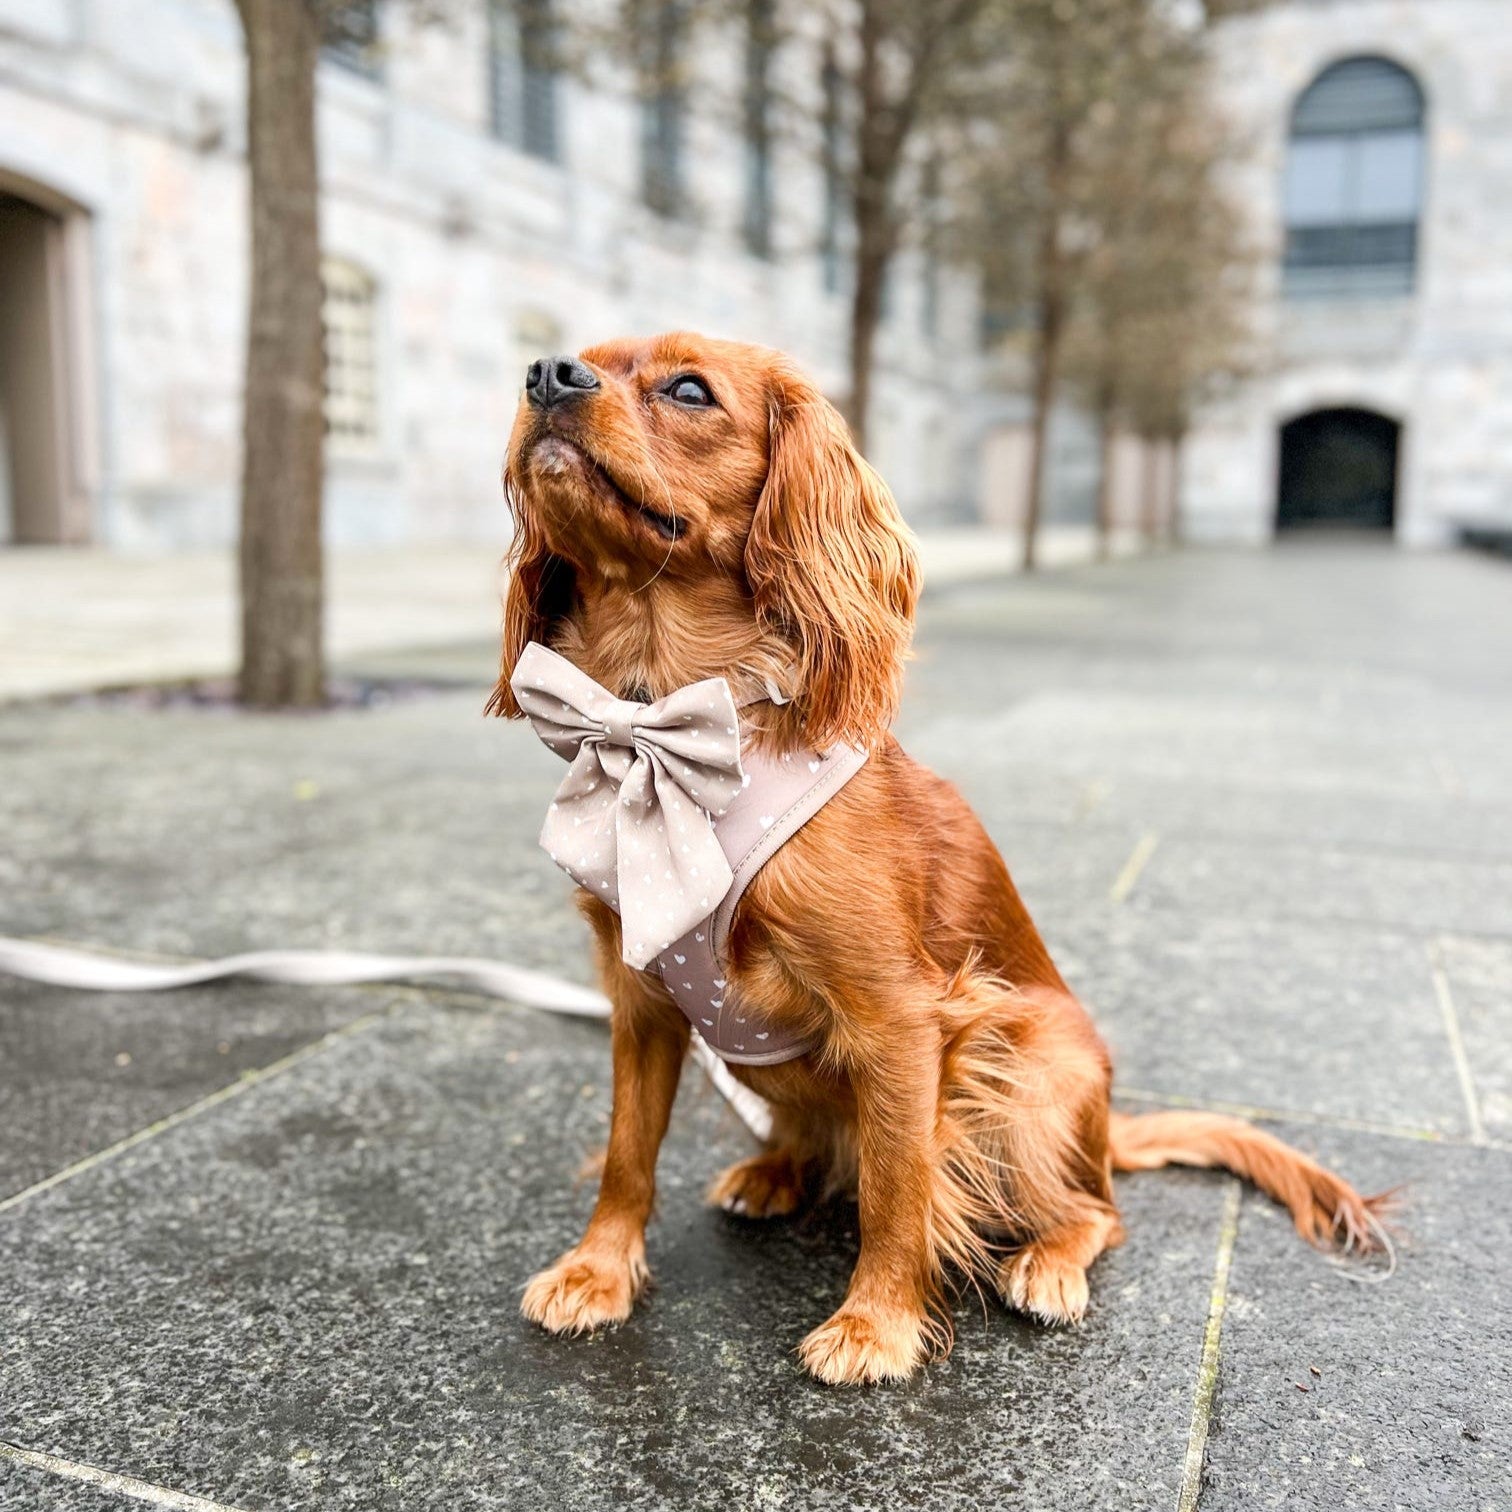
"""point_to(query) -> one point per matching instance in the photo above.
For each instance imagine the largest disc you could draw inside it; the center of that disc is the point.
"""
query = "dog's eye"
(690, 390)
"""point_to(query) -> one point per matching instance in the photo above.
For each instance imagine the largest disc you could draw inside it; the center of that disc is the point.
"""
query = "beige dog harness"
(664, 817)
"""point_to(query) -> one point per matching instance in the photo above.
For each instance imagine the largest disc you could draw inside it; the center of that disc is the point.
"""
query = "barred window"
(660, 28)
(522, 75)
(1354, 182)
(351, 35)
(349, 320)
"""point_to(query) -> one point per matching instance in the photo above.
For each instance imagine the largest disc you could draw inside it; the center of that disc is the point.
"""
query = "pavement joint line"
(1133, 868)
(1302, 1116)
(244, 1083)
(1456, 1040)
(1207, 1370)
(111, 1480)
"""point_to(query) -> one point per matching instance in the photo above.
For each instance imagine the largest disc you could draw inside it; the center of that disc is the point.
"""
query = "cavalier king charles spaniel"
(686, 509)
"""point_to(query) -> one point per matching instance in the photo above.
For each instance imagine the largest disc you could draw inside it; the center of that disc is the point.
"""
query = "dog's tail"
(1324, 1207)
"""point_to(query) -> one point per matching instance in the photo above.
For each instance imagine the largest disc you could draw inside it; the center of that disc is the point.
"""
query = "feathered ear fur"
(539, 592)
(833, 569)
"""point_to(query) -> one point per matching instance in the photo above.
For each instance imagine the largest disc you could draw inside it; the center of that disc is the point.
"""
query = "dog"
(686, 509)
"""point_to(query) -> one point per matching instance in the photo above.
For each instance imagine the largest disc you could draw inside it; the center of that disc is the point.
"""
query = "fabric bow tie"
(632, 821)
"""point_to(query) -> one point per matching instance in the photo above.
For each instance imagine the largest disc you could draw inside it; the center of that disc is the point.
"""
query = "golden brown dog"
(688, 508)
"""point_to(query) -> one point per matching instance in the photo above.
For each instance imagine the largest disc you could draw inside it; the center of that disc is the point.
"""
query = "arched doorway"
(1338, 470)
(45, 430)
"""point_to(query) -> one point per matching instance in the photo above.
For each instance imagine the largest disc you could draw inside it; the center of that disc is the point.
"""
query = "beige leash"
(62, 966)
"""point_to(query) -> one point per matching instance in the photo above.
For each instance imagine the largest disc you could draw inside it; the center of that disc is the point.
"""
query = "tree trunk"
(866, 316)
(871, 201)
(1149, 492)
(1173, 491)
(1107, 434)
(282, 661)
(1052, 321)
(1046, 380)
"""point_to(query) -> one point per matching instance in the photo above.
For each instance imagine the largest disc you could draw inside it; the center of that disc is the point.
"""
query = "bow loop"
(631, 821)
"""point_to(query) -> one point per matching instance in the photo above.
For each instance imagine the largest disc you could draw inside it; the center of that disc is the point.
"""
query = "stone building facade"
(476, 212)
(1379, 174)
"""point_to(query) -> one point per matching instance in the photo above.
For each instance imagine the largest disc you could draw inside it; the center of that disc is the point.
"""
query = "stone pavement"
(74, 619)
(263, 1246)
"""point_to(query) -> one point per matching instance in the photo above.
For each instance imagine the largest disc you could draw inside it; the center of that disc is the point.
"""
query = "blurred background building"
(476, 213)
(1379, 176)
(479, 211)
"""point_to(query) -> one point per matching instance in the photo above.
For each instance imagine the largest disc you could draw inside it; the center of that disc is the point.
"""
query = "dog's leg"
(1026, 1098)
(884, 1331)
(598, 1281)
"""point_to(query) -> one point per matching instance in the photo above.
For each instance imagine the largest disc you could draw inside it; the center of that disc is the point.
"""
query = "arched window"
(1354, 178)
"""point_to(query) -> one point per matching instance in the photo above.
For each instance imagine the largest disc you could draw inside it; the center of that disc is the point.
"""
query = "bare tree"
(1094, 99)
(1160, 315)
(912, 75)
(896, 72)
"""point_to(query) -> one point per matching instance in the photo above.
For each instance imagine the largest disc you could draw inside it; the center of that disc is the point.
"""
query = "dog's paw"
(585, 1290)
(859, 1346)
(1044, 1285)
(765, 1186)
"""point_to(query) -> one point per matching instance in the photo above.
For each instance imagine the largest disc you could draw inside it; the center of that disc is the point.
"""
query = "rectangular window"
(660, 28)
(350, 36)
(1351, 213)
(348, 316)
(760, 42)
(522, 75)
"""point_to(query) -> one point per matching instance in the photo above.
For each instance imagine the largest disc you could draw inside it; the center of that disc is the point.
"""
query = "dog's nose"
(555, 380)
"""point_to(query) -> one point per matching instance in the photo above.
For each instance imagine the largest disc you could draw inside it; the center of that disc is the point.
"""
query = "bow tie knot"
(632, 821)
(618, 717)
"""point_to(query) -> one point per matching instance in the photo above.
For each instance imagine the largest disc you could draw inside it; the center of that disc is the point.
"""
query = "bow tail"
(672, 869)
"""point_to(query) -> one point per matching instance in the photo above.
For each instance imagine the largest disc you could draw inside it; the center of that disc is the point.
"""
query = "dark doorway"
(1338, 469)
(47, 471)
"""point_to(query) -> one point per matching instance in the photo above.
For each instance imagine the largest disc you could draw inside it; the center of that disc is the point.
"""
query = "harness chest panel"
(780, 796)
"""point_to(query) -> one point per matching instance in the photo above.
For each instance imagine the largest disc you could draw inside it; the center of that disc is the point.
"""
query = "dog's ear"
(832, 568)
(539, 592)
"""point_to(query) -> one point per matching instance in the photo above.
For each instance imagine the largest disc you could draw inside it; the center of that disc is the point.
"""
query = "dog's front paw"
(860, 1345)
(584, 1290)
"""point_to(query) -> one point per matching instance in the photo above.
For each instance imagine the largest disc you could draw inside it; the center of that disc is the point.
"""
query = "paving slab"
(1302, 1017)
(81, 1070)
(1209, 805)
(409, 828)
(1409, 1408)
(1374, 889)
(306, 1297)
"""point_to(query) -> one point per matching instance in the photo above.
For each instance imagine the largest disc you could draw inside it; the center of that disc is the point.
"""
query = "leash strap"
(61, 966)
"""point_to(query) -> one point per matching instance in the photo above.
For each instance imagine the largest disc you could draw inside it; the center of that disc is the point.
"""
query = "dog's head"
(711, 478)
